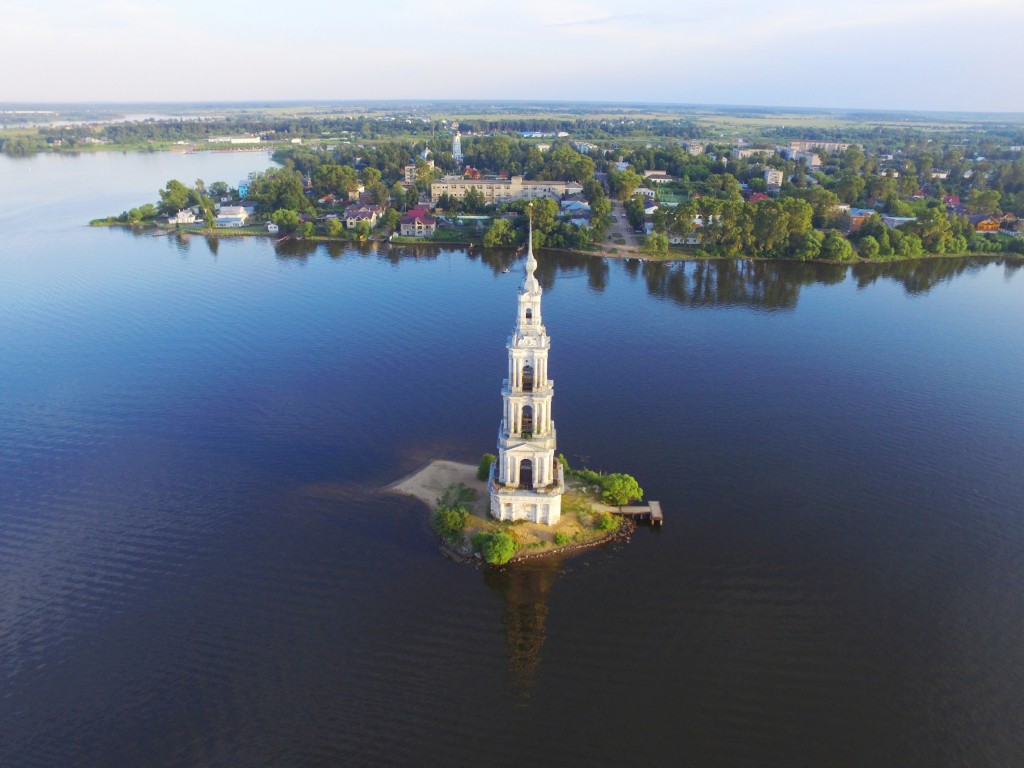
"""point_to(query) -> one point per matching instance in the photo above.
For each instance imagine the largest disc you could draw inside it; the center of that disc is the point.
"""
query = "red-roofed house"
(417, 223)
(757, 197)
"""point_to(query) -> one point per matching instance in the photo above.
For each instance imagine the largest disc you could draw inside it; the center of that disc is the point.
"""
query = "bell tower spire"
(526, 481)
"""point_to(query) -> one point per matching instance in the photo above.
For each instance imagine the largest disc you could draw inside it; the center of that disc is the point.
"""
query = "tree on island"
(450, 521)
(496, 548)
(619, 489)
(485, 466)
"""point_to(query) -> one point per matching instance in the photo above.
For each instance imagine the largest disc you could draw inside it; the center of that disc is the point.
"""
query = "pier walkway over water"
(650, 512)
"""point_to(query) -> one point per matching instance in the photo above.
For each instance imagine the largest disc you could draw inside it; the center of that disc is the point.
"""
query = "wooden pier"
(650, 512)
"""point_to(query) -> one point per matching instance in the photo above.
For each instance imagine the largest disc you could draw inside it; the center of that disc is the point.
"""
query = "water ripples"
(195, 568)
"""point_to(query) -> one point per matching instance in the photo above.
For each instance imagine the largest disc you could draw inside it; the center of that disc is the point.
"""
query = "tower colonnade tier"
(526, 480)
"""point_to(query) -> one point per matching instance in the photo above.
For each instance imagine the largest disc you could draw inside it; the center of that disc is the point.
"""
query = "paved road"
(620, 228)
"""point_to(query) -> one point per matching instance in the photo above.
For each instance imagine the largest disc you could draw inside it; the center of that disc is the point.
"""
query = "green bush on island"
(561, 539)
(496, 548)
(485, 466)
(450, 521)
(603, 521)
(457, 495)
(452, 511)
(619, 489)
(588, 476)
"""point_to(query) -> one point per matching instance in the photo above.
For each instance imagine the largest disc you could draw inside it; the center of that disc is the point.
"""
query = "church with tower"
(526, 480)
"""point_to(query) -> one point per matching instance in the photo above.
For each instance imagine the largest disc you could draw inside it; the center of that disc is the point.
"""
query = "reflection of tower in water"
(525, 589)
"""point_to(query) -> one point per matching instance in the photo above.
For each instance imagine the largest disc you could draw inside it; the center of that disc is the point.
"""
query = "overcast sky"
(900, 54)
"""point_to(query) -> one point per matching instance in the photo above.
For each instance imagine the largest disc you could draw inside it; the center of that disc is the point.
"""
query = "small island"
(536, 501)
(460, 514)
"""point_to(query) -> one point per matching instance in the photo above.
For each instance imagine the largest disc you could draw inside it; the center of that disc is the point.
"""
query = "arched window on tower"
(527, 420)
(527, 378)
(529, 315)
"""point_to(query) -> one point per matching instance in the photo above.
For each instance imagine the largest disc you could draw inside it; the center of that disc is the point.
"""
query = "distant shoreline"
(602, 253)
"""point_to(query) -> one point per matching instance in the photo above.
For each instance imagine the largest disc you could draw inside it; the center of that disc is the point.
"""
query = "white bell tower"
(457, 148)
(526, 480)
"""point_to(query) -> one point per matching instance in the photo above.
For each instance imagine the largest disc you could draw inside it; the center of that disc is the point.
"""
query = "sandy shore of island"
(430, 482)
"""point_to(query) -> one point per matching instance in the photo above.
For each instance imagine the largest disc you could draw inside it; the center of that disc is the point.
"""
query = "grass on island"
(465, 523)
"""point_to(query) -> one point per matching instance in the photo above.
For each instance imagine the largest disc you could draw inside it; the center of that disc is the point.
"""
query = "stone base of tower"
(543, 506)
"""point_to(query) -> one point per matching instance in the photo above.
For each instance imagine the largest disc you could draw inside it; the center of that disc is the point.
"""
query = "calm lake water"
(196, 568)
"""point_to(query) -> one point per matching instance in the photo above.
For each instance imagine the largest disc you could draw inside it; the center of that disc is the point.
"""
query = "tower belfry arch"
(526, 480)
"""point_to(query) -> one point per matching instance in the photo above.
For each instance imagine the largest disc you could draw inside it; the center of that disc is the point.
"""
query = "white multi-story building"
(773, 177)
(806, 145)
(502, 190)
(526, 480)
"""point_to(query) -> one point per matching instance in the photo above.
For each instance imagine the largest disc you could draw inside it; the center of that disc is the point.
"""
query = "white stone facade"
(526, 480)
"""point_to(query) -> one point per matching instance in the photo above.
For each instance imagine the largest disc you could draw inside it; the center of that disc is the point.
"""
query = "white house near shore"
(186, 216)
(232, 216)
